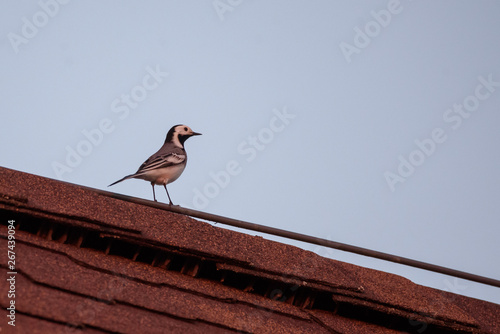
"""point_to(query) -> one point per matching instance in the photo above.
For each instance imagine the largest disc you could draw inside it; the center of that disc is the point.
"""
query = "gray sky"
(372, 123)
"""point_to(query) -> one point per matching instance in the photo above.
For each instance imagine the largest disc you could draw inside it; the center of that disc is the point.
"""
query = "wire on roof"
(304, 238)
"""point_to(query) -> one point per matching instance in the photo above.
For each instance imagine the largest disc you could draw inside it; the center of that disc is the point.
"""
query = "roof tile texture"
(63, 284)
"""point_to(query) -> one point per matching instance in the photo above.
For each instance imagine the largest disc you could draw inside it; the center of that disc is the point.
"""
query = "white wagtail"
(166, 165)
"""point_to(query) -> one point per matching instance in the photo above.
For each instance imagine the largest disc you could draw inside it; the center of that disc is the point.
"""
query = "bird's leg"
(168, 195)
(153, 186)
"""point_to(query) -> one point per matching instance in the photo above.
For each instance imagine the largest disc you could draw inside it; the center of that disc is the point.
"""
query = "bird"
(166, 165)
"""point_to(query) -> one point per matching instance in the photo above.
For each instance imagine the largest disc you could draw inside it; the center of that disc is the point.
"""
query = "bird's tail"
(122, 179)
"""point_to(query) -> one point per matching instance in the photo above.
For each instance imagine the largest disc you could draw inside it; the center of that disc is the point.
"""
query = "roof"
(92, 263)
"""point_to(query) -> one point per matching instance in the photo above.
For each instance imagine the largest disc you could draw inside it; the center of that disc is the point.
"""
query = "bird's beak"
(196, 134)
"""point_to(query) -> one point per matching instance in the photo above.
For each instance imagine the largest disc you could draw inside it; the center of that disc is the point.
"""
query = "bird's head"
(178, 134)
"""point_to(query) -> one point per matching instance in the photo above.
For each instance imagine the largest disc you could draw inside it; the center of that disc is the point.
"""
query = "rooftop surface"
(90, 263)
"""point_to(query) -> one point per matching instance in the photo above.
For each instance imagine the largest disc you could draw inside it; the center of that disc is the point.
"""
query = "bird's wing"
(161, 161)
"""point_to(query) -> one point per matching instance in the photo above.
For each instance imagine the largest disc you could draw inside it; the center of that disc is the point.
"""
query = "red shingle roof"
(94, 264)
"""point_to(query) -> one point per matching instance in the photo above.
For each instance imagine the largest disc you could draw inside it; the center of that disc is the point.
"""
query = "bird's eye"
(185, 128)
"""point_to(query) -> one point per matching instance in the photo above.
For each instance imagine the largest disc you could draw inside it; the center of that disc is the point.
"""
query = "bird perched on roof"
(166, 165)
